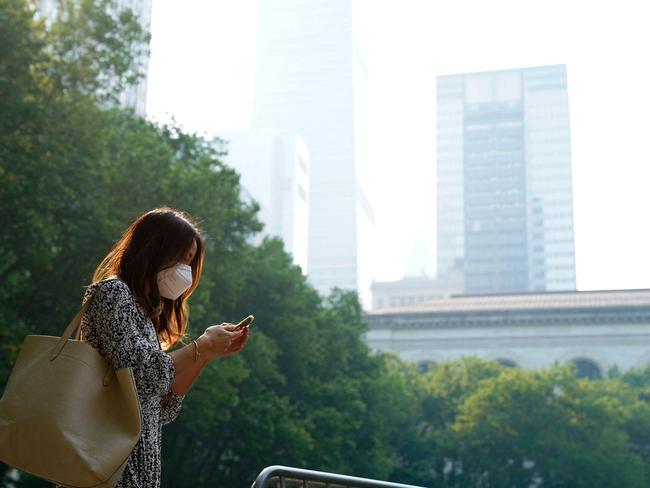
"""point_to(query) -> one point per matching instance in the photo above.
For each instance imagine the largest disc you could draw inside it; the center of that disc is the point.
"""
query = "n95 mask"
(172, 282)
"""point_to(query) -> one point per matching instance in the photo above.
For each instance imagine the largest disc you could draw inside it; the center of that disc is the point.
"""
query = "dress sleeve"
(172, 408)
(122, 341)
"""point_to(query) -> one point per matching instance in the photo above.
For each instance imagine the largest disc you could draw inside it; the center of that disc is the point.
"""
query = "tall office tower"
(274, 170)
(505, 211)
(309, 81)
(134, 96)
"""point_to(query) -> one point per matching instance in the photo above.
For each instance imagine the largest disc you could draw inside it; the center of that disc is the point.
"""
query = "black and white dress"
(117, 326)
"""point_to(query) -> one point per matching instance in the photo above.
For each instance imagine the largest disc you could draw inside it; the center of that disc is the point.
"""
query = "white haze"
(202, 72)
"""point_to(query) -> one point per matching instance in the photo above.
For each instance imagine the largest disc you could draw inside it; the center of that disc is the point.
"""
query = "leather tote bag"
(65, 415)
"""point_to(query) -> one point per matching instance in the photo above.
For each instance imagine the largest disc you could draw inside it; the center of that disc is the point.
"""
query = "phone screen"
(245, 323)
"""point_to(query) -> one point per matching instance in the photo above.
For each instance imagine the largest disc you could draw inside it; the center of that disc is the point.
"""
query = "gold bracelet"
(196, 350)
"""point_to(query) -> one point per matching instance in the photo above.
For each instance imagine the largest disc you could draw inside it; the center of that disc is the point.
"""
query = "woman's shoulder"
(109, 289)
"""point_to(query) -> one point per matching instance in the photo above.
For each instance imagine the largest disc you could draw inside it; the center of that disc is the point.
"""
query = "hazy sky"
(202, 70)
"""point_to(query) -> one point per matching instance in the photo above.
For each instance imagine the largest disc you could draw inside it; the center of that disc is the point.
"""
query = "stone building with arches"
(595, 330)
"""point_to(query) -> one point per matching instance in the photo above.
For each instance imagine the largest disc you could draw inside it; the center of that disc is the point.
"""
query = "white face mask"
(172, 282)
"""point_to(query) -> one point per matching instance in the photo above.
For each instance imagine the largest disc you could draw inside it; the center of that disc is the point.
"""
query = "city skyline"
(607, 96)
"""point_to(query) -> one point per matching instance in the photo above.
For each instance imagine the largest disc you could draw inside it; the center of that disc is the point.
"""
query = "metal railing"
(286, 477)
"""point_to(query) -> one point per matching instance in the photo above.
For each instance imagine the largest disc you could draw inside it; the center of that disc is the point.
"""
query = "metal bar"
(304, 475)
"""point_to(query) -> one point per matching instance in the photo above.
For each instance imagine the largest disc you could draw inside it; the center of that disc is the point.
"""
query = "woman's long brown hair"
(154, 241)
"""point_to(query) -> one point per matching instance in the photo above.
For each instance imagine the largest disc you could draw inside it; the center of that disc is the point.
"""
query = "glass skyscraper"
(308, 81)
(135, 96)
(505, 211)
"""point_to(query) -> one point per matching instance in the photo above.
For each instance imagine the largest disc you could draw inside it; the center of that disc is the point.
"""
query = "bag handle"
(74, 324)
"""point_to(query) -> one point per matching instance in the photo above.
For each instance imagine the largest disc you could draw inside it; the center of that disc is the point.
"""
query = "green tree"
(524, 428)
(51, 135)
(638, 422)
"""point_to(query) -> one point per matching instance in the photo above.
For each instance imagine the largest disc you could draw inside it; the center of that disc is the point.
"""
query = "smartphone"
(245, 323)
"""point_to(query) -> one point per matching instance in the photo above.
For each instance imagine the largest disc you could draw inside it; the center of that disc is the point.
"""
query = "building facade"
(135, 96)
(595, 330)
(309, 70)
(505, 211)
(413, 290)
(274, 170)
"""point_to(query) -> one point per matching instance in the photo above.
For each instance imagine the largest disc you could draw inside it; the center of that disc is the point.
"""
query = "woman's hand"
(221, 340)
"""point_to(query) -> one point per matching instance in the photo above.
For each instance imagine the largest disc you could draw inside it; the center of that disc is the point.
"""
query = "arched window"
(586, 368)
(426, 365)
(507, 363)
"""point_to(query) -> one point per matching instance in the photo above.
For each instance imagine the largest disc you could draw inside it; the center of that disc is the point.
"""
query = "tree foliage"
(75, 170)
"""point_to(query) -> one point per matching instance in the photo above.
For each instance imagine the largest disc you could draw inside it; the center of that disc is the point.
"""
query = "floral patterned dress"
(117, 326)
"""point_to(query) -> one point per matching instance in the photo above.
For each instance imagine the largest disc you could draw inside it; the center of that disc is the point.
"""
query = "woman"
(139, 310)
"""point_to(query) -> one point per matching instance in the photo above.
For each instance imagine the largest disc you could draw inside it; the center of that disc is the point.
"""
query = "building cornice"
(501, 318)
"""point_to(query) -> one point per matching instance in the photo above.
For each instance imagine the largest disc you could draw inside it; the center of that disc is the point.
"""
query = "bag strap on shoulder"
(74, 324)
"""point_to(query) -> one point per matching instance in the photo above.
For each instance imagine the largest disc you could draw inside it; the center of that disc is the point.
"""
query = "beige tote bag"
(66, 415)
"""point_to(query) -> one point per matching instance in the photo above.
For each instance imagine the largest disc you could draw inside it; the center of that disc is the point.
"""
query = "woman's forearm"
(187, 368)
(218, 341)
